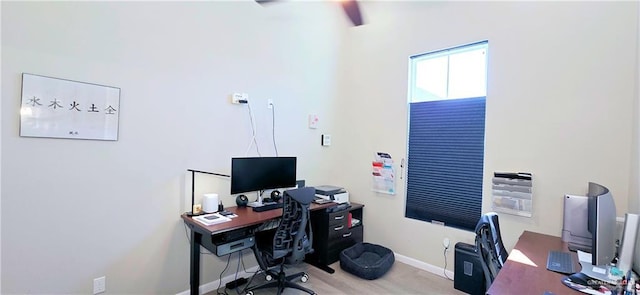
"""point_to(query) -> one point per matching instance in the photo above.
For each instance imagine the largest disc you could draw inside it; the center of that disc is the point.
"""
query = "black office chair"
(287, 244)
(489, 246)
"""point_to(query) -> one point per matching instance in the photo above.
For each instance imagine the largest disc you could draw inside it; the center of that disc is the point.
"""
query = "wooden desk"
(525, 271)
(201, 235)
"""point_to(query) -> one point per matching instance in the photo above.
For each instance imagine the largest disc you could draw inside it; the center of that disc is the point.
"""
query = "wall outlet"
(239, 98)
(99, 285)
(446, 242)
(270, 103)
(236, 97)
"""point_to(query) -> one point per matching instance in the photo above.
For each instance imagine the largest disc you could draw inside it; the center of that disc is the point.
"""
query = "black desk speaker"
(468, 276)
(275, 195)
(242, 201)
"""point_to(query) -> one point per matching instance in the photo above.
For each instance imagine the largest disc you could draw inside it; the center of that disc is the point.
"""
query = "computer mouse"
(583, 279)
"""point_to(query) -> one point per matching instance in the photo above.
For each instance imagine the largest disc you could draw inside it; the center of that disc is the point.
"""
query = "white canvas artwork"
(59, 108)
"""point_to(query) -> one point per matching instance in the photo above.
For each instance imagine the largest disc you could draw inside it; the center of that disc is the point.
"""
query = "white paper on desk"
(584, 256)
(204, 219)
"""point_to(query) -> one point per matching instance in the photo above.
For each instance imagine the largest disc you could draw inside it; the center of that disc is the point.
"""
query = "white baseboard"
(436, 270)
(211, 286)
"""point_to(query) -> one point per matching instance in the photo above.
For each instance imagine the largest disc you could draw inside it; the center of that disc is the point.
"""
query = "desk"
(526, 268)
(333, 233)
(201, 235)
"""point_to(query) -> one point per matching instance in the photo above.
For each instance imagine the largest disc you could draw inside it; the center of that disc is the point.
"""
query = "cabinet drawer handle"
(347, 235)
(339, 217)
(338, 228)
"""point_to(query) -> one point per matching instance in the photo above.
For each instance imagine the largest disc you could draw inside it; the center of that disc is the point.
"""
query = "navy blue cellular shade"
(445, 161)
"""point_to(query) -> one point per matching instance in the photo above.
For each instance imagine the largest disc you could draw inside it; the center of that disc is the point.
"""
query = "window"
(447, 95)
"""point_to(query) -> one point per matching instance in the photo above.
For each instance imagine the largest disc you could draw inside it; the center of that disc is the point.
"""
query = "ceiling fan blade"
(261, 2)
(352, 10)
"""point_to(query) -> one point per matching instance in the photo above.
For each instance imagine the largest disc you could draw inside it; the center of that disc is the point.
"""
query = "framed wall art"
(60, 108)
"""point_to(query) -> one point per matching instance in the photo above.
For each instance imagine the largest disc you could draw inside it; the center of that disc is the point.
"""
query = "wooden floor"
(401, 279)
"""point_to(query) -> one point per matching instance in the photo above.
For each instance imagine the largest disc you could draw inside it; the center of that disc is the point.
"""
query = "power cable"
(220, 278)
(253, 132)
(445, 264)
(237, 271)
(273, 127)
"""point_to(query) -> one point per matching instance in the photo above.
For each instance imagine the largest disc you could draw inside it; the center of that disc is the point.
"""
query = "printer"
(333, 193)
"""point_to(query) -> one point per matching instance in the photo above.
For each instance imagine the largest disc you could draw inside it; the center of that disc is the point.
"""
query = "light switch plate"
(313, 121)
(99, 285)
(326, 140)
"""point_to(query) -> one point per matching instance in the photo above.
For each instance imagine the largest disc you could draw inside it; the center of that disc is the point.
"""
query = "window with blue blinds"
(445, 161)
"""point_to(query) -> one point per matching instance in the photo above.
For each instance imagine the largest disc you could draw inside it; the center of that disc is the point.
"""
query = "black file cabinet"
(334, 232)
(468, 276)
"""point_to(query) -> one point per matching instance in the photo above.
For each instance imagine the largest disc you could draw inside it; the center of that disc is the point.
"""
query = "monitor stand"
(255, 204)
(597, 272)
(573, 247)
(259, 202)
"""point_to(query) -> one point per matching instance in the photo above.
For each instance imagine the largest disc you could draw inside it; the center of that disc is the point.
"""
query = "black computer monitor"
(602, 224)
(260, 173)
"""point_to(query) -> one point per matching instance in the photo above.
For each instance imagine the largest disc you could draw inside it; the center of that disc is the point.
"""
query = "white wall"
(0, 168)
(74, 210)
(634, 190)
(558, 74)
(560, 104)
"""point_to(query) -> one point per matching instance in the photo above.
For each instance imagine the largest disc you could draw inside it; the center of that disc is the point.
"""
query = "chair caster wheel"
(249, 293)
(304, 278)
(268, 278)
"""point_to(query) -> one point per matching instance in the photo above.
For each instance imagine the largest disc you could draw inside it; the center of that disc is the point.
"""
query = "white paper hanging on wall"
(383, 174)
(512, 193)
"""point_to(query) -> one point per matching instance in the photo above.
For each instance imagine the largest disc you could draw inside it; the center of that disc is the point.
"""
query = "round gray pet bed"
(365, 260)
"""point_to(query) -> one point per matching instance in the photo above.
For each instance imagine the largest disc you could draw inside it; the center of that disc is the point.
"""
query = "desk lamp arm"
(193, 185)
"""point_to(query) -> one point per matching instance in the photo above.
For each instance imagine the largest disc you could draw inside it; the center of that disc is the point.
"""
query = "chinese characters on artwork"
(60, 108)
(56, 104)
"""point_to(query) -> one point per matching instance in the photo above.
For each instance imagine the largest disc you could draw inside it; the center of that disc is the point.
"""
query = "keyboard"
(561, 262)
(267, 207)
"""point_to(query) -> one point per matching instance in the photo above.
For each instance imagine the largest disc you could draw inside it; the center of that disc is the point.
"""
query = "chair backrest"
(489, 245)
(293, 238)
(500, 250)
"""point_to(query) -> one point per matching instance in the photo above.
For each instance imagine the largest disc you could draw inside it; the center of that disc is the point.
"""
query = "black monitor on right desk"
(602, 224)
